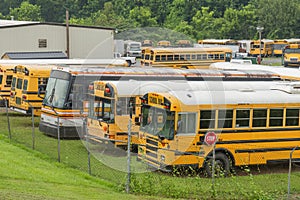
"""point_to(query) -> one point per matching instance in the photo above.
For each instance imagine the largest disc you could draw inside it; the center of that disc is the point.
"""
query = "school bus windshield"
(292, 50)
(57, 90)
(158, 121)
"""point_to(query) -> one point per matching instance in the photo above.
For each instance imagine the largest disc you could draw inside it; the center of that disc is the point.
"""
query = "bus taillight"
(107, 90)
(24, 97)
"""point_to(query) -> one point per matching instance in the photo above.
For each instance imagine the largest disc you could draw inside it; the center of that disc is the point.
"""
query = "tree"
(27, 12)
(278, 17)
(236, 24)
(105, 17)
(141, 17)
(52, 10)
(5, 5)
(204, 24)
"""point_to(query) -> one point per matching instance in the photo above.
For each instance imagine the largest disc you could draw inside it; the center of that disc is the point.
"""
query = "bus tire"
(128, 62)
(222, 165)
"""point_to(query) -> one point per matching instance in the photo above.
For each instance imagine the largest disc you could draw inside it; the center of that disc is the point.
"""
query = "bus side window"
(8, 80)
(186, 123)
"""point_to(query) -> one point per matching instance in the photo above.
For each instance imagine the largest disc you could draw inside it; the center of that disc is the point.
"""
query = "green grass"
(36, 174)
(25, 174)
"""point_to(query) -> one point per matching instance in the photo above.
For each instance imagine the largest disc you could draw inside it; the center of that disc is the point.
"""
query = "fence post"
(128, 149)
(32, 119)
(8, 122)
(58, 139)
(290, 169)
(85, 132)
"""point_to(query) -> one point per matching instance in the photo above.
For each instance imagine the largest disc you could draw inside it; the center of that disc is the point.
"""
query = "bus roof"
(263, 40)
(292, 40)
(7, 66)
(216, 41)
(37, 67)
(188, 50)
(193, 74)
(140, 87)
(234, 97)
(106, 62)
(283, 72)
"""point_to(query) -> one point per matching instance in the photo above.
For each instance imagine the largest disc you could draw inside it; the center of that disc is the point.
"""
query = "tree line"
(196, 19)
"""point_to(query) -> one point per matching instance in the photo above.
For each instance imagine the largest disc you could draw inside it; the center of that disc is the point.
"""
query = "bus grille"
(18, 100)
(151, 147)
(294, 59)
(152, 141)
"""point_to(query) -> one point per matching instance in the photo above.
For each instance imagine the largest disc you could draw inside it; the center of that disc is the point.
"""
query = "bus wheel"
(129, 63)
(222, 165)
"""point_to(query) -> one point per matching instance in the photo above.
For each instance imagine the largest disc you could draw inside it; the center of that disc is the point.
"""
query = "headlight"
(162, 158)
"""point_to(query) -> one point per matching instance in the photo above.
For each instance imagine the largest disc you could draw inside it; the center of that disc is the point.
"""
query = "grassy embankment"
(30, 174)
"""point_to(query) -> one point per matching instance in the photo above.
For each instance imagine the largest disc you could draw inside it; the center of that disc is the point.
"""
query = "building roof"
(35, 55)
(14, 23)
(4, 22)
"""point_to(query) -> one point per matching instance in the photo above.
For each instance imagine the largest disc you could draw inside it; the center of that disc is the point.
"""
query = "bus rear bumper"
(26, 112)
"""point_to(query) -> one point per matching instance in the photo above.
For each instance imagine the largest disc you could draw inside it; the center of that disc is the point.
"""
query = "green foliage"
(204, 23)
(279, 18)
(141, 17)
(26, 12)
(198, 19)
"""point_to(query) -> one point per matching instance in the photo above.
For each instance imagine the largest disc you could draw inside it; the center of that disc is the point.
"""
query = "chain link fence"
(106, 162)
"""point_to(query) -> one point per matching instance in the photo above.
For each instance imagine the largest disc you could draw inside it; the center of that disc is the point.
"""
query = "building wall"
(84, 42)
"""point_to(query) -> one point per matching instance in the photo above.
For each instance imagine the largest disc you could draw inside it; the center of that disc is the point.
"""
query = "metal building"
(85, 42)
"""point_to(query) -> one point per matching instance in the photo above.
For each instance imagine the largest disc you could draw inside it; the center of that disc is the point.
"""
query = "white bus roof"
(137, 87)
(283, 72)
(195, 74)
(235, 97)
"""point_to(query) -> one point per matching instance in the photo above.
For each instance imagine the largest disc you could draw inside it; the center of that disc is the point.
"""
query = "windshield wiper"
(51, 96)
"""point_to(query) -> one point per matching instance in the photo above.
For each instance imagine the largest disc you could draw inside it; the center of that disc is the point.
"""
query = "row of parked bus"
(211, 51)
(264, 47)
(254, 113)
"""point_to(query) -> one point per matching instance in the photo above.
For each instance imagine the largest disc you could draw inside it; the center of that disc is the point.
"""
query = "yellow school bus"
(6, 74)
(164, 43)
(109, 111)
(291, 55)
(280, 44)
(265, 48)
(218, 42)
(28, 88)
(188, 58)
(109, 101)
(242, 127)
